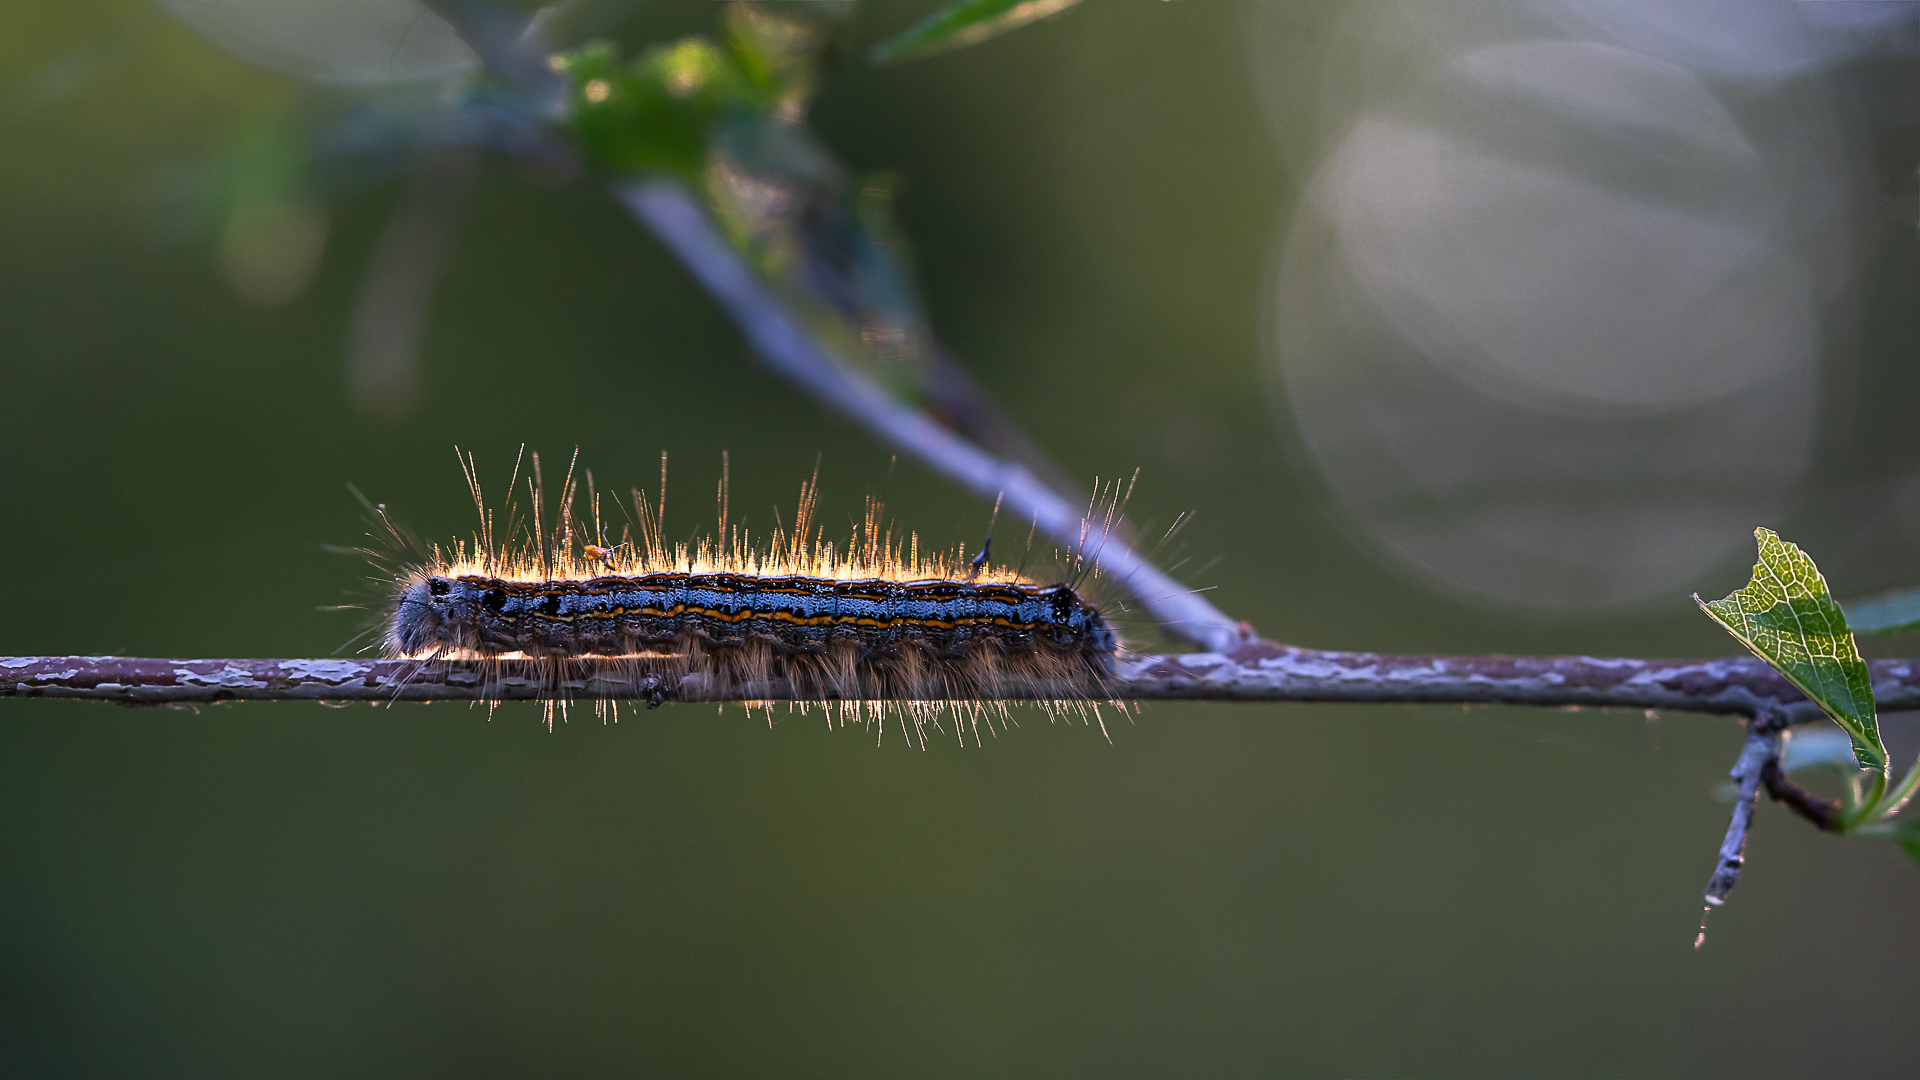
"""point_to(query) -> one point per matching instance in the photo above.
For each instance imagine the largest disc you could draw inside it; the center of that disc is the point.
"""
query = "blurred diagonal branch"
(683, 226)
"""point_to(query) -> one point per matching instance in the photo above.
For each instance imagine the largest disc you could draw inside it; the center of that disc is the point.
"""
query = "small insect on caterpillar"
(863, 626)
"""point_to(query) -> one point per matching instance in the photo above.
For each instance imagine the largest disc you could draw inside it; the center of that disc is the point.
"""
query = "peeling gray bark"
(1255, 671)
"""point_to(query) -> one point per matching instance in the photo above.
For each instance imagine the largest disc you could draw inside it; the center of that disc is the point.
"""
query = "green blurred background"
(1097, 204)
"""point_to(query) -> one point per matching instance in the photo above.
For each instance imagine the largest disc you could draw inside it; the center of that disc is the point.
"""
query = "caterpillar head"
(424, 612)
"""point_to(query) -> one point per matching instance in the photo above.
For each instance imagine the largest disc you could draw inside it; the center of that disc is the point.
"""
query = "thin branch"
(1824, 813)
(679, 221)
(1761, 750)
(1257, 671)
(957, 400)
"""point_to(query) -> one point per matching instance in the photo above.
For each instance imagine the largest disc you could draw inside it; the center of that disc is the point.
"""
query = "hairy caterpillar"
(863, 627)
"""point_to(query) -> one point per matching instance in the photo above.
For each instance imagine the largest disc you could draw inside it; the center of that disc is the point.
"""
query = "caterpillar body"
(863, 627)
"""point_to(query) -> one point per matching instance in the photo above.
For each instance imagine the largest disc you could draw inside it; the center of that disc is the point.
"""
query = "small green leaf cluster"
(663, 110)
(725, 116)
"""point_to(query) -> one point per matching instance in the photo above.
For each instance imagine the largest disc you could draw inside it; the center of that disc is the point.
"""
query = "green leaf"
(963, 23)
(659, 112)
(1787, 618)
(1888, 613)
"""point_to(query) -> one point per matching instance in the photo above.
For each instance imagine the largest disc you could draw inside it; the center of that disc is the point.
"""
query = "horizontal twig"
(1256, 671)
